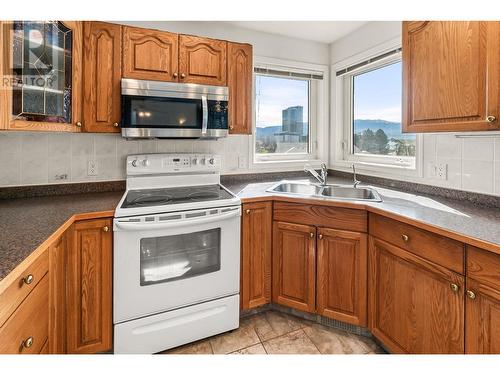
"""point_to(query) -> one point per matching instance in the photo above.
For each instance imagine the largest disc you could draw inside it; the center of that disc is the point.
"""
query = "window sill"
(284, 165)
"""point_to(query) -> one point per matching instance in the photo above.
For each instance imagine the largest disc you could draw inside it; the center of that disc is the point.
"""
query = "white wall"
(37, 158)
(473, 163)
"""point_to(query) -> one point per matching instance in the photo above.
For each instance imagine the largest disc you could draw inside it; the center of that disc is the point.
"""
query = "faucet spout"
(320, 177)
(356, 182)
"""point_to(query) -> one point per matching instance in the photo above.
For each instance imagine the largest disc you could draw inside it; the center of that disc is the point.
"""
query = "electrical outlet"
(92, 168)
(242, 162)
(438, 170)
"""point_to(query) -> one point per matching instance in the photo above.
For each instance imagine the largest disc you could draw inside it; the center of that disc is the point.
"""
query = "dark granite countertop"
(27, 222)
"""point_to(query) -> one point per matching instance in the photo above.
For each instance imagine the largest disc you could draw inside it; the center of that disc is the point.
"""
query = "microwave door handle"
(128, 226)
(204, 122)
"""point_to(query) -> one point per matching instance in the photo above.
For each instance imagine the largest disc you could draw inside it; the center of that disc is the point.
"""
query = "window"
(281, 115)
(372, 114)
(288, 107)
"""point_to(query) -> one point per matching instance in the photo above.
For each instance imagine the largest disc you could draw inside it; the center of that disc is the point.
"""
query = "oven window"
(170, 258)
(150, 112)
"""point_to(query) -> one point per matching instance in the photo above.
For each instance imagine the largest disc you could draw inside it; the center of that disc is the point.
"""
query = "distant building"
(291, 125)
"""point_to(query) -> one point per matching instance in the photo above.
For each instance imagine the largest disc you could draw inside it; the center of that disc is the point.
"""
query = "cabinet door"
(483, 319)
(341, 275)
(48, 62)
(450, 76)
(202, 60)
(294, 265)
(415, 306)
(89, 307)
(239, 81)
(101, 77)
(57, 296)
(256, 254)
(150, 54)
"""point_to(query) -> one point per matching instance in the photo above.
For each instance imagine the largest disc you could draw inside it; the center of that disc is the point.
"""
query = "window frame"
(317, 112)
(343, 156)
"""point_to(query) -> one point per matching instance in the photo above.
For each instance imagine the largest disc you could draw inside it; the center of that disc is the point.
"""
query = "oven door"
(166, 261)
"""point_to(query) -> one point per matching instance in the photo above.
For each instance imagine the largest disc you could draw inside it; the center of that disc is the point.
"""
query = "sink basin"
(349, 192)
(296, 188)
(338, 192)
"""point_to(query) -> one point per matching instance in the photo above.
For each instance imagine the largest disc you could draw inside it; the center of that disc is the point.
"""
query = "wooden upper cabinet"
(239, 81)
(294, 265)
(451, 76)
(202, 60)
(415, 306)
(341, 275)
(101, 77)
(256, 254)
(150, 54)
(89, 307)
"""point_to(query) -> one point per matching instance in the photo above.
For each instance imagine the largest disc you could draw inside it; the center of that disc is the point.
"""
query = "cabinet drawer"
(321, 216)
(17, 291)
(438, 249)
(26, 331)
(483, 266)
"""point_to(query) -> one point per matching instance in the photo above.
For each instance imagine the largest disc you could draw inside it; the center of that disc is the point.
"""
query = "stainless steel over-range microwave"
(152, 109)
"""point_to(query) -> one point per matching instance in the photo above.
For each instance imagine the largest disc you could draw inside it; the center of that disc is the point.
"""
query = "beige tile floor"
(273, 332)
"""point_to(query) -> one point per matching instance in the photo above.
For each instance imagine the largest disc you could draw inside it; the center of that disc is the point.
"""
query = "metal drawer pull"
(247, 211)
(311, 234)
(491, 118)
(116, 124)
(405, 237)
(28, 343)
(471, 294)
(28, 279)
(106, 228)
(320, 236)
(454, 287)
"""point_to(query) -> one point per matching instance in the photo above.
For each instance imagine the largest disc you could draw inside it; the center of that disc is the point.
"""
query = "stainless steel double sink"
(337, 192)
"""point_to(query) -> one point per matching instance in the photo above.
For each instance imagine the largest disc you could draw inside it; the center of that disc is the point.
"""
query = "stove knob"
(145, 163)
(135, 163)
(211, 161)
(194, 161)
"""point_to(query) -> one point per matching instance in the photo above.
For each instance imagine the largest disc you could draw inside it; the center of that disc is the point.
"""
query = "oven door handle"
(204, 121)
(128, 226)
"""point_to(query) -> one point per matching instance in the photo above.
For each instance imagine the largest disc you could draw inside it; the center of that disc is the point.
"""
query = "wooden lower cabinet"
(482, 319)
(415, 306)
(89, 283)
(294, 265)
(57, 295)
(256, 254)
(341, 275)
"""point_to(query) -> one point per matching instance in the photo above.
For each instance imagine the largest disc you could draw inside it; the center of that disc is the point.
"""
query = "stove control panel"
(172, 163)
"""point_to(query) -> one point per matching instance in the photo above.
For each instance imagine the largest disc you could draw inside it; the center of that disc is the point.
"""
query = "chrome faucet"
(320, 177)
(355, 180)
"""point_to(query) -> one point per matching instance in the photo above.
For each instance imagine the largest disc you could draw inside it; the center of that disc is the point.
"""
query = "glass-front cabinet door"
(43, 71)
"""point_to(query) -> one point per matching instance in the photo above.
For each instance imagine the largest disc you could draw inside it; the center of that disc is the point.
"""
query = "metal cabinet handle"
(454, 287)
(176, 75)
(311, 234)
(405, 238)
(28, 343)
(231, 127)
(471, 294)
(247, 211)
(183, 75)
(105, 229)
(79, 124)
(28, 279)
(491, 118)
(320, 236)
(115, 124)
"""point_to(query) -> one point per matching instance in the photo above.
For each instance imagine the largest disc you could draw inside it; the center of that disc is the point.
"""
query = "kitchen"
(246, 187)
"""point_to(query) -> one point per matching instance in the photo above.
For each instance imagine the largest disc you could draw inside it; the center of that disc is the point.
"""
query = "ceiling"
(319, 31)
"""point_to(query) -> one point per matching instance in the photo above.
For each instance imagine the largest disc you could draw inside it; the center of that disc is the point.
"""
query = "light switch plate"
(438, 170)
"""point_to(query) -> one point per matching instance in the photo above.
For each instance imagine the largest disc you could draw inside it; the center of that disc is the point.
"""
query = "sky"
(377, 95)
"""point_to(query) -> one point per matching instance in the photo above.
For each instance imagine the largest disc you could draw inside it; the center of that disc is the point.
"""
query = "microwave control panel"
(172, 163)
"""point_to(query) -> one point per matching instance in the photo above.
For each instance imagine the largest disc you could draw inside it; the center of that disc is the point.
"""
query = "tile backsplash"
(42, 158)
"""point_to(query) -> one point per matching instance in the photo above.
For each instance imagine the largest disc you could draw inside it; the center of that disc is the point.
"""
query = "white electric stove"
(176, 253)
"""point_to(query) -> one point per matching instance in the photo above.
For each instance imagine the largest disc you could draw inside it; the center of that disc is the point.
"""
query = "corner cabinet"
(240, 83)
(150, 54)
(89, 283)
(451, 78)
(341, 275)
(45, 65)
(102, 71)
(256, 254)
(294, 265)
(202, 60)
(416, 307)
